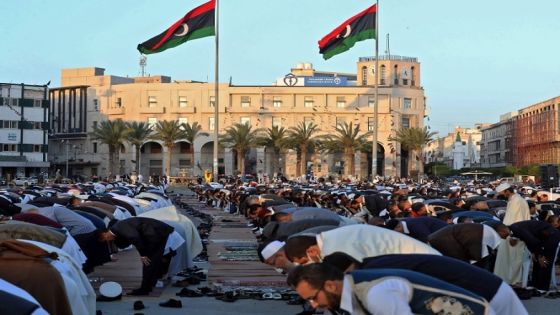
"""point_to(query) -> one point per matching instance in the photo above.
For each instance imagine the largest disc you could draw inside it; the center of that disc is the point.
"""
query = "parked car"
(25, 181)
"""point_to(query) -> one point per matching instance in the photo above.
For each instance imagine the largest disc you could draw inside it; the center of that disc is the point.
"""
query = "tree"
(303, 138)
(275, 138)
(168, 132)
(414, 139)
(191, 133)
(347, 139)
(138, 133)
(114, 134)
(241, 138)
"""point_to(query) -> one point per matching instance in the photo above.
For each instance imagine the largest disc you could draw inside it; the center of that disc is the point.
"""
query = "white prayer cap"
(110, 290)
(272, 249)
(502, 187)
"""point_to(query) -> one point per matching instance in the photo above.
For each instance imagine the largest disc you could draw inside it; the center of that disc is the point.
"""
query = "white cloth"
(78, 288)
(363, 241)
(517, 210)
(17, 291)
(510, 258)
(174, 241)
(506, 302)
(72, 248)
(490, 238)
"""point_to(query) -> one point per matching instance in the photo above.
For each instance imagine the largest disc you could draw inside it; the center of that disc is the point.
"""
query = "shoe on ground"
(138, 305)
(171, 303)
(189, 293)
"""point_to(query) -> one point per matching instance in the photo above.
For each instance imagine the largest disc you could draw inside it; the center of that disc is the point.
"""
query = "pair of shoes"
(230, 296)
(138, 305)
(171, 303)
(523, 294)
(189, 293)
(139, 291)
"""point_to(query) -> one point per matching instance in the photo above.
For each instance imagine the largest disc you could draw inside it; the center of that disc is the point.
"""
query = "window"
(10, 124)
(405, 75)
(155, 148)
(37, 103)
(37, 125)
(245, 120)
(184, 147)
(183, 102)
(364, 75)
(184, 163)
(370, 123)
(95, 147)
(156, 163)
(383, 74)
(340, 121)
(152, 121)
(308, 121)
(211, 101)
(183, 120)
(406, 103)
(37, 148)
(94, 126)
(211, 123)
(96, 105)
(152, 101)
(371, 101)
(412, 77)
(10, 148)
(245, 101)
(94, 171)
(118, 103)
(396, 75)
(277, 101)
(340, 101)
(276, 122)
(405, 123)
(308, 101)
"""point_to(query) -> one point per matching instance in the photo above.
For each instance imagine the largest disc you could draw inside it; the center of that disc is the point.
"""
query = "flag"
(197, 23)
(357, 28)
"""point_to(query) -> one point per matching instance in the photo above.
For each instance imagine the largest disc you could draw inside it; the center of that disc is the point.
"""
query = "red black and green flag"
(197, 23)
(357, 28)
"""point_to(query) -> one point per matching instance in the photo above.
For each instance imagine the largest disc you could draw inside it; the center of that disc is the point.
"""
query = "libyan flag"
(357, 28)
(198, 23)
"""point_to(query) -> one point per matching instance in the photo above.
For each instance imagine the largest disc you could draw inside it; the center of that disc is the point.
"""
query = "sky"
(479, 58)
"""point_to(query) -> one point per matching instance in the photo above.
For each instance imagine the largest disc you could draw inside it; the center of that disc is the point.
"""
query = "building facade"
(87, 96)
(463, 143)
(23, 130)
(496, 148)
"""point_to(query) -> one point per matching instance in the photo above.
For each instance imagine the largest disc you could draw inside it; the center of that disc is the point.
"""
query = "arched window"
(396, 75)
(412, 76)
(383, 73)
(364, 75)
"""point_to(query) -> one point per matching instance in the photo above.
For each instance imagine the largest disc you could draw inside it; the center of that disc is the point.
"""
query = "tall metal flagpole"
(376, 104)
(216, 94)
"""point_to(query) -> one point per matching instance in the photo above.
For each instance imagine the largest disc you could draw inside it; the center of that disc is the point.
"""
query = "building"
(88, 96)
(23, 130)
(463, 143)
(496, 147)
(536, 134)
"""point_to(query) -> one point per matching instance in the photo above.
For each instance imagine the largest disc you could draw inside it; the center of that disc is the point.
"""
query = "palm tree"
(168, 132)
(276, 139)
(240, 137)
(191, 133)
(347, 139)
(414, 139)
(139, 133)
(114, 134)
(303, 138)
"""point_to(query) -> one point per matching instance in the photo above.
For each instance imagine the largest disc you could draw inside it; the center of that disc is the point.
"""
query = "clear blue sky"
(479, 58)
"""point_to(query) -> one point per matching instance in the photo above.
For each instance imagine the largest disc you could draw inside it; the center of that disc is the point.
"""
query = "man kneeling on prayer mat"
(156, 242)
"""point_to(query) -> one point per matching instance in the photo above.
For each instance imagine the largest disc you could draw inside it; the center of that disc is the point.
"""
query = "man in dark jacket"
(469, 242)
(149, 236)
(419, 228)
(542, 240)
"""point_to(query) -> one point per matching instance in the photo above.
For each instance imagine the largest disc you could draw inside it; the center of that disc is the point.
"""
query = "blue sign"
(325, 81)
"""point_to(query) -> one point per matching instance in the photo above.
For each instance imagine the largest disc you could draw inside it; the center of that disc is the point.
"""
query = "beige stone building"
(88, 96)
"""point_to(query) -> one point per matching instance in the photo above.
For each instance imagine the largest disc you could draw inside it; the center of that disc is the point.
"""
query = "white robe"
(510, 259)
(363, 241)
(78, 288)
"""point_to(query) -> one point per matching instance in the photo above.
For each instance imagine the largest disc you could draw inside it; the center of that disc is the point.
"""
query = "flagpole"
(376, 104)
(216, 95)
